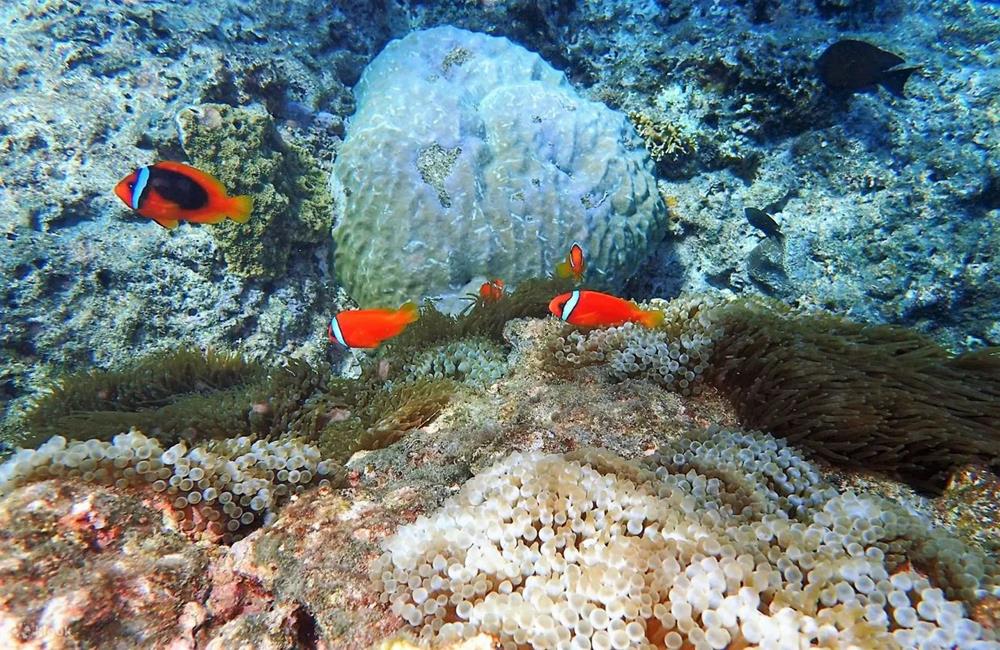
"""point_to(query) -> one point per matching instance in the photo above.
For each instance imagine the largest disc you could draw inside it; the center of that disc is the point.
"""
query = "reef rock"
(578, 500)
(469, 156)
(242, 147)
(82, 562)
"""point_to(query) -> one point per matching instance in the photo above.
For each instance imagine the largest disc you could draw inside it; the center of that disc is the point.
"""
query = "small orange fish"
(366, 328)
(491, 291)
(574, 265)
(169, 192)
(596, 309)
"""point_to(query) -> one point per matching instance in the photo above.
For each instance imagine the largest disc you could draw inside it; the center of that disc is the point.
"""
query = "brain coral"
(734, 541)
(469, 156)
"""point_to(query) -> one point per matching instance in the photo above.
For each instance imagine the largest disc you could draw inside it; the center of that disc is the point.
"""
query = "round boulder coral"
(470, 157)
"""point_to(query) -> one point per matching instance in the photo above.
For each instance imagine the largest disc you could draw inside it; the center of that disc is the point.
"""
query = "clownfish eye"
(131, 186)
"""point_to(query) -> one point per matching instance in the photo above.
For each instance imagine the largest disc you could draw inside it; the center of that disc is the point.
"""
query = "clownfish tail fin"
(240, 208)
(651, 318)
(409, 312)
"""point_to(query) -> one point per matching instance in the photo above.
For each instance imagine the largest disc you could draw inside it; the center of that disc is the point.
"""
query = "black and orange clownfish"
(574, 265)
(169, 192)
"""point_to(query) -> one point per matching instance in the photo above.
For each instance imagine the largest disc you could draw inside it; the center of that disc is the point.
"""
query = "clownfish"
(366, 328)
(596, 309)
(492, 290)
(169, 192)
(574, 264)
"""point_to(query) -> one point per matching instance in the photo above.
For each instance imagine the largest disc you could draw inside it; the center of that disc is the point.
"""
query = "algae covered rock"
(101, 550)
(470, 156)
(292, 206)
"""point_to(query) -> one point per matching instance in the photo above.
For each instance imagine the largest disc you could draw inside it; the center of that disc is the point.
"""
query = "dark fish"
(762, 221)
(779, 205)
(850, 66)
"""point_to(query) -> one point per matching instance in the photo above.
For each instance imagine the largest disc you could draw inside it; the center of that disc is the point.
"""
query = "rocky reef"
(292, 207)
(804, 453)
(887, 205)
(554, 461)
(88, 92)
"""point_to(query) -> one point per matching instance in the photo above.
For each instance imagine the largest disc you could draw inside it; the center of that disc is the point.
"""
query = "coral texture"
(113, 571)
(468, 157)
(104, 570)
(292, 205)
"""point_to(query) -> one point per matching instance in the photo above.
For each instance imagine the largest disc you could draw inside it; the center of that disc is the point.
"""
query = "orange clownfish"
(366, 328)
(169, 192)
(596, 309)
(574, 264)
(491, 291)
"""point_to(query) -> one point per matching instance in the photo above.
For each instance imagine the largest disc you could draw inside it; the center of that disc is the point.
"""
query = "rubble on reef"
(331, 569)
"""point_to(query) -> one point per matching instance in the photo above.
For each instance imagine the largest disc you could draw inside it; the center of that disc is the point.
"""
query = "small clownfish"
(366, 328)
(169, 192)
(574, 264)
(596, 309)
(492, 290)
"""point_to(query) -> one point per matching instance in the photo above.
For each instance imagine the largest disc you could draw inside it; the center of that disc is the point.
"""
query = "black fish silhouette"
(762, 221)
(851, 66)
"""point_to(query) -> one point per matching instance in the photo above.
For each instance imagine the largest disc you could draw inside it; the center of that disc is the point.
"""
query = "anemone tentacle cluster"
(224, 488)
(675, 355)
(476, 361)
(880, 397)
(735, 541)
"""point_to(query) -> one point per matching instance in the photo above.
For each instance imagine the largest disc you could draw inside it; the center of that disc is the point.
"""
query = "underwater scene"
(527, 324)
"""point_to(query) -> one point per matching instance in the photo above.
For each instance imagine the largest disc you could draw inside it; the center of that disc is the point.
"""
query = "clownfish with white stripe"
(170, 192)
(367, 328)
(575, 264)
(596, 309)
